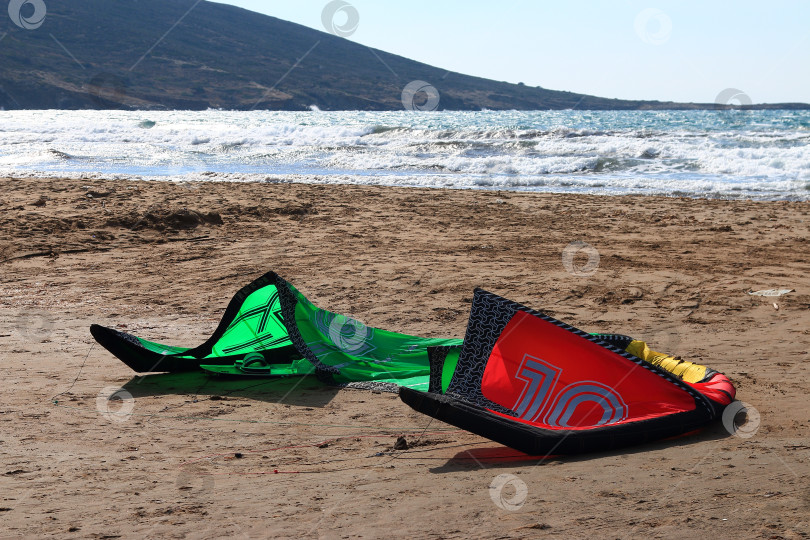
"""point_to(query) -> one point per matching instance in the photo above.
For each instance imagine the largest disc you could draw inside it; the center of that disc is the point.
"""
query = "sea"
(726, 154)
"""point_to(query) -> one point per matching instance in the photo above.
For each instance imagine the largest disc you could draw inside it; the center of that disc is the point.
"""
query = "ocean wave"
(63, 156)
(693, 152)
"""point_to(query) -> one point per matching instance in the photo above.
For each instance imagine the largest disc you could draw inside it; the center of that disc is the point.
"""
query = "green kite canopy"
(271, 329)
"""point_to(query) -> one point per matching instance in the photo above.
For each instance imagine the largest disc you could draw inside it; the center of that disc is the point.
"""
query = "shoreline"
(317, 180)
(161, 260)
(84, 203)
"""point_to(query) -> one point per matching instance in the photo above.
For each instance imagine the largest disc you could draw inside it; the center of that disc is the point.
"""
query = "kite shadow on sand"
(495, 457)
(305, 391)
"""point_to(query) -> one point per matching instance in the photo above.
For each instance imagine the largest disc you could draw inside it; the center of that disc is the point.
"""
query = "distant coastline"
(223, 57)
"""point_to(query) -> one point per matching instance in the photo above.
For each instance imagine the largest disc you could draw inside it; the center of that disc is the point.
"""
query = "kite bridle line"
(393, 454)
(383, 431)
(391, 430)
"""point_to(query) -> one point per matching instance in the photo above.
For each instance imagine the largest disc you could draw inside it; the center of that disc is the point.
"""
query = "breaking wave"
(732, 154)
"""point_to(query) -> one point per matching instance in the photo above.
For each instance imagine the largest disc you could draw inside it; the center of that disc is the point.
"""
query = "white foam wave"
(698, 153)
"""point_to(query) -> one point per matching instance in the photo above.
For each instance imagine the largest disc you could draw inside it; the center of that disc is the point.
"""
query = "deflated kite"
(519, 377)
(538, 385)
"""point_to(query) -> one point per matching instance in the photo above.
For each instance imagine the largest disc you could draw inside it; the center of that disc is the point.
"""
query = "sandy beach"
(205, 458)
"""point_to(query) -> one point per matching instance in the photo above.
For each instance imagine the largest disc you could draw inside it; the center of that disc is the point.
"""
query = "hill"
(160, 54)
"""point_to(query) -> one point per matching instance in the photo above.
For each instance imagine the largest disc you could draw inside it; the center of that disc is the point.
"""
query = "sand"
(196, 457)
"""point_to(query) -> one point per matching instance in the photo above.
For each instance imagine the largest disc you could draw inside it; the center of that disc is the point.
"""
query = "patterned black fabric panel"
(374, 386)
(489, 315)
(288, 302)
(129, 338)
(617, 340)
(436, 357)
(129, 350)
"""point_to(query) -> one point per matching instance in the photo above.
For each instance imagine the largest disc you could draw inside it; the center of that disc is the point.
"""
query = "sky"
(684, 51)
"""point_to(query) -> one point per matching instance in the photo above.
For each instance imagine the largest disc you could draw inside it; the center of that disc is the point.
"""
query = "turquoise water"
(716, 154)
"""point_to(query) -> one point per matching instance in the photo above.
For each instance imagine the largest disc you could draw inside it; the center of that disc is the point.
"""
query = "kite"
(519, 377)
(270, 329)
(538, 385)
